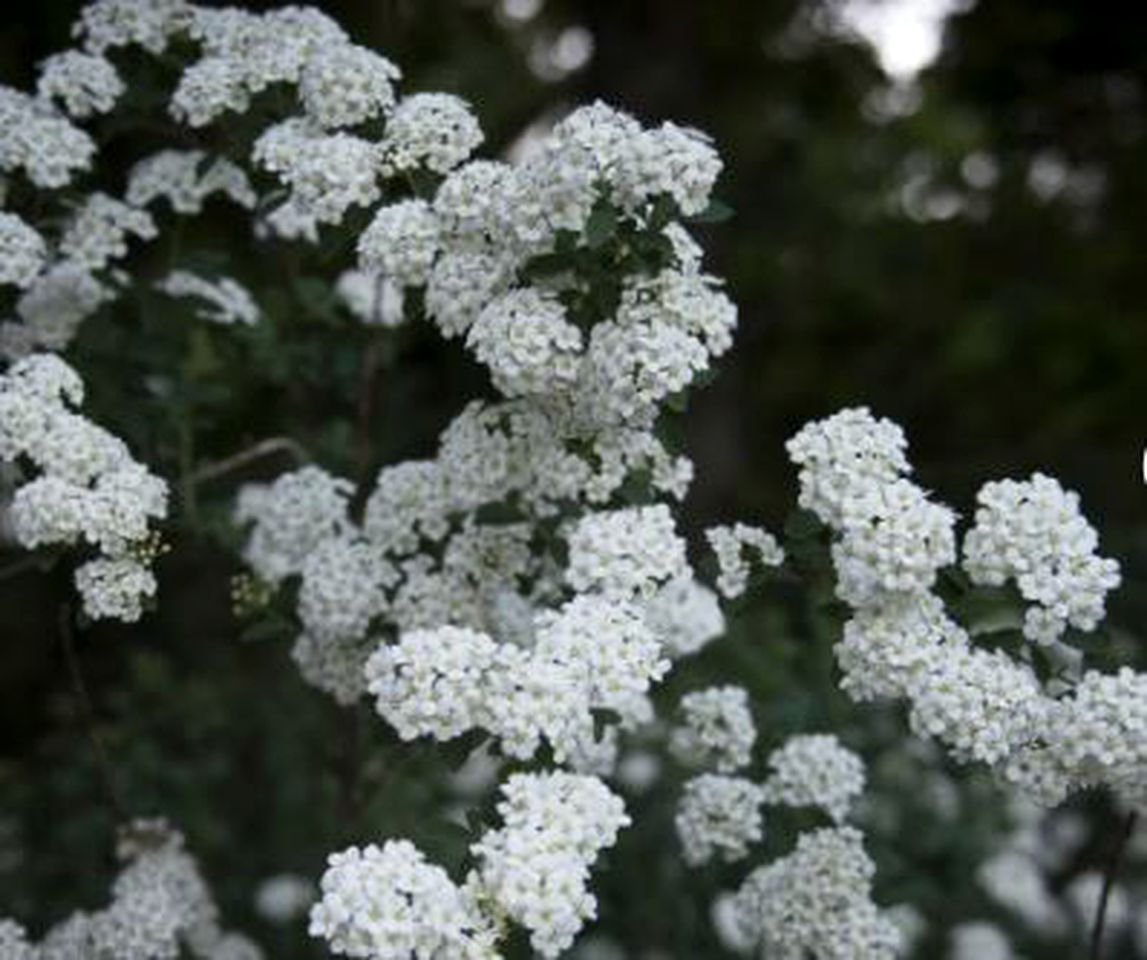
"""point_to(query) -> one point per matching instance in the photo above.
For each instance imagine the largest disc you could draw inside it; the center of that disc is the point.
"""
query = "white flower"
(22, 251)
(1082, 896)
(290, 517)
(409, 502)
(625, 553)
(434, 682)
(83, 82)
(685, 615)
(1032, 532)
(886, 649)
(535, 868)
(1099, 732)
(283, 897)
(370, 297)
(669, 160)
(979, 940)
(388, 903)
(344, 583)
(609, 645)
(99, 230)
(717, 729)
(719, 816)
(342, 85)
(815, 770)
(57, 302)
(334, 666)
(159, 900)
(892, 540)
(525, 339)
(331, 174)
(460, 286)
(982, 705)
(1016, 882)
(837, 453)
(730, 544)
(87, 489)
(401, 242)
(41, 142)
(226, 301)
(115, 588)
(14, 943)
(208, 89)
(106, 24)
(437, 131)
(185, 179)
(467, 201)
(817, 902)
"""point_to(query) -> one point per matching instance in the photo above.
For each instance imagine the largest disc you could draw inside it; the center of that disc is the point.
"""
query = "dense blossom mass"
(527, 583)
(983, 704)
(81, 489)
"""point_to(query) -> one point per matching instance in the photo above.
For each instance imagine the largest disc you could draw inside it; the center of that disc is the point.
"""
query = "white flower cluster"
(432, 131)
(717, 729)
(389, 903)
(371, 297)
(592, 654)
(525, 339)
(1015, 881)
(41, 142)
(185, 179)
(900, 642)
(283, 897)
(83, 82)
(245, 53)
(730, 544)
(420, 561)
(159, 906)
(980, 940)
(719, 816)
(1098, 733)
(401, 242)
(290, 518)
(98, 232)
(815, 770)
(848, 451)
(1032, 532)
(535, 868)
(52, 309)
(109, 24)
(22, 251)
(14, 943)
(223, 300)
(817, 902)
(343, 85)
(472, 248)
(686, 615)
(625, 553)
(326, 173)
(86, 489)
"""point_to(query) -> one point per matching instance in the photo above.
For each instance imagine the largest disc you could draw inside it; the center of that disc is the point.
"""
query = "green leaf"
(601, 227)
(803, 525)
(717, 212)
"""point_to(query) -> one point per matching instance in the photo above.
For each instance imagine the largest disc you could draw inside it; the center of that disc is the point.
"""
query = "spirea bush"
(521, 601)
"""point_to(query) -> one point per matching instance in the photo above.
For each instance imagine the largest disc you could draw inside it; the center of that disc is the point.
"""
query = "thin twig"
(1109, 878)
(87, 713)
(371, 365)
(264, 448)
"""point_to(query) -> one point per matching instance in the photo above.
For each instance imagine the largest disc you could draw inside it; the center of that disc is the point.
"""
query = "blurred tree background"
(956, 241)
